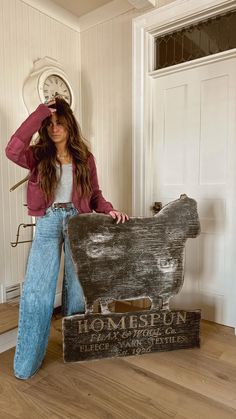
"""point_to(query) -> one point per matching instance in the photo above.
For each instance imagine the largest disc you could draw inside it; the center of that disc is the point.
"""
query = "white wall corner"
(106, 12)
(140, 4)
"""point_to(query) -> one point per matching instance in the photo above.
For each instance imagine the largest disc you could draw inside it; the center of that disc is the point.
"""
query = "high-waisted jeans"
(39, 289)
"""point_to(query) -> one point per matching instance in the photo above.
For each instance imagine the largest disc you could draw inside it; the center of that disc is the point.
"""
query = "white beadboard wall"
(106, 83)
(25, 35)
(99, 64)
(106, 80)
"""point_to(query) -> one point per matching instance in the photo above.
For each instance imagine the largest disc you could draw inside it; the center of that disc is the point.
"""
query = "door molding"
(145, 28)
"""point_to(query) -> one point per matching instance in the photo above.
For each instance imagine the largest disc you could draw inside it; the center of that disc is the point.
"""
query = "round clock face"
(55, 85)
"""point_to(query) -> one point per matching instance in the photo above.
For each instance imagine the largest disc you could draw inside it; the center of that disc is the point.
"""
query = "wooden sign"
(142, 258)
(95, 336)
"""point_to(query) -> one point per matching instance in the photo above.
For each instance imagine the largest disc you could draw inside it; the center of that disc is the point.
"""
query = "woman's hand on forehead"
(50, 103)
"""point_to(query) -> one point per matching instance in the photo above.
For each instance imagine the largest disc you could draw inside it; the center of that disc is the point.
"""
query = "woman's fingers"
(52, 110)
(49, 103)
(124, 217)
(119, 216)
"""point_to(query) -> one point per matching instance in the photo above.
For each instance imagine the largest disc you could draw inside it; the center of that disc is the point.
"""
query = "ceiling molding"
(80, 8)
(102, 14)
(141, 4)
(53, 10)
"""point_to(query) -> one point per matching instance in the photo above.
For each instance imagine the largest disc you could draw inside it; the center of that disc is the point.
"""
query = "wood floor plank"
(91, 395)
(200, 374)
(168, 396)
(6, 370)
(8, 317)
(14, 403)
(187, 384)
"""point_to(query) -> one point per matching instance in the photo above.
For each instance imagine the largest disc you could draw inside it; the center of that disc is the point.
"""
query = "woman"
(62, 183)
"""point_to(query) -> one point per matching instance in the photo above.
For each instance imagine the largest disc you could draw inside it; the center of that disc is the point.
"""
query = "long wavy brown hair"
(45, 153)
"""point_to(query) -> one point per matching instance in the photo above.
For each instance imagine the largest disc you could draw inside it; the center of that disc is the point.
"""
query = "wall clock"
(52, 83)
(46, 80)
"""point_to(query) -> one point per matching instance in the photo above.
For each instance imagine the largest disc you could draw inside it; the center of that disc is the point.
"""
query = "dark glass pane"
(205, 38)
(178, 48)
(170, 48)
(231, 32)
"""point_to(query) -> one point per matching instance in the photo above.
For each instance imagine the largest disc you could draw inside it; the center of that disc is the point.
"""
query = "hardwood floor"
(184, 384)
(8, 317)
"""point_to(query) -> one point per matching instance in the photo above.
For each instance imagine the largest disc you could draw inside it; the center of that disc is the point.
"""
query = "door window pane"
(208, 37)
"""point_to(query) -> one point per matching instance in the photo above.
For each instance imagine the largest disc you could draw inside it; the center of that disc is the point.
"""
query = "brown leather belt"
(66, 205)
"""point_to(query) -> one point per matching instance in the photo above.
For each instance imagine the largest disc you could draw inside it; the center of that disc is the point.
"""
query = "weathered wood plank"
(94, 336)
(140, 258)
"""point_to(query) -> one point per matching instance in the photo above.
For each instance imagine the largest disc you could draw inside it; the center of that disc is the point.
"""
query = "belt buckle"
(66, 205)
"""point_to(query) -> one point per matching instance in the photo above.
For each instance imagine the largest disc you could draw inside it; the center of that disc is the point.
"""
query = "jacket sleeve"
(98, 202)
(18, 149)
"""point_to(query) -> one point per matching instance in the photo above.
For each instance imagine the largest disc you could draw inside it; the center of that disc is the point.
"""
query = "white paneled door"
(193, 151)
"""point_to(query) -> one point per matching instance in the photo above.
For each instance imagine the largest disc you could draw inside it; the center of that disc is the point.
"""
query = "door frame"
(145, 28)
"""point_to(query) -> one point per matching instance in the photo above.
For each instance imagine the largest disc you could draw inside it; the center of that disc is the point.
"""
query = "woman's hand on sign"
(119, 216)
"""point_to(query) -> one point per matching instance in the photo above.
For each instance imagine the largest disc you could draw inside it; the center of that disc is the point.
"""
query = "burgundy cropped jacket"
(19, 151)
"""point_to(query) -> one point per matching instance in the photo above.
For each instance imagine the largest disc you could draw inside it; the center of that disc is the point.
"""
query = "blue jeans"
(39, 289)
